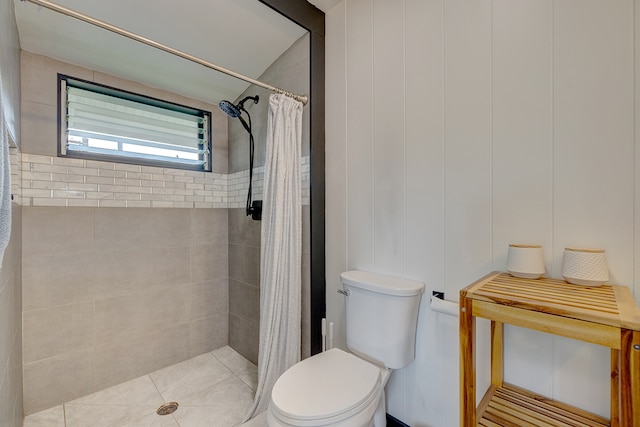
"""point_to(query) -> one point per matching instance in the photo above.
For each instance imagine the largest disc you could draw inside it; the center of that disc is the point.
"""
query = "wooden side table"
(605, 315)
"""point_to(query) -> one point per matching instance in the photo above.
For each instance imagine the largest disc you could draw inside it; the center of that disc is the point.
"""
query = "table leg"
(630, 378)
(497, 339)
(467, 364)
(615, 388)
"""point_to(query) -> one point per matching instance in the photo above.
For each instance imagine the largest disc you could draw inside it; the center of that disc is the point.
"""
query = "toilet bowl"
(334, 388)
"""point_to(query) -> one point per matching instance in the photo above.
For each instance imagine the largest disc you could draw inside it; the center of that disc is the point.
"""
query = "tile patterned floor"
(213, 390)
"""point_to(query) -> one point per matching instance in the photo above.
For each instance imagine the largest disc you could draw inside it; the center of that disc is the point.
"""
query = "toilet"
(346, 389)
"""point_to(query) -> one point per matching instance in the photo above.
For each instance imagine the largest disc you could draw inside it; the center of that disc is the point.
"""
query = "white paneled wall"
(593, 147)
(522, 135)
(424, 174)
(388, 132)
(359, 131)
(456, 127)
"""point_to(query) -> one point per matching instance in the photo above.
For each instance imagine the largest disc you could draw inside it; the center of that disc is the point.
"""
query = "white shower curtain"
(281, 246)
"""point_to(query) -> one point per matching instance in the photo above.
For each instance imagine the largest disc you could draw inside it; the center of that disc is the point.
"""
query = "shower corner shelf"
(606, 315)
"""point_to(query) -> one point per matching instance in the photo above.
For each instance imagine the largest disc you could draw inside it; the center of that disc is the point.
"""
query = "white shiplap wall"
(455, 127)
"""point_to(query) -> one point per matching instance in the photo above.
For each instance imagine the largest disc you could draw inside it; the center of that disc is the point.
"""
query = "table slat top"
(607, 304)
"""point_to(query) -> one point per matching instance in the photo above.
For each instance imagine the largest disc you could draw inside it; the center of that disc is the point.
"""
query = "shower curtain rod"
(72, 13)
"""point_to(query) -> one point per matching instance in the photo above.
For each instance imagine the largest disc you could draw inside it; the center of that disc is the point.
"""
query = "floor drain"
(167, 408)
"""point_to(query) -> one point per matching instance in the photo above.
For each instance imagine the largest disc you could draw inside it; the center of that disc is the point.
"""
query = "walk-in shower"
(254, 207)
(203, 259)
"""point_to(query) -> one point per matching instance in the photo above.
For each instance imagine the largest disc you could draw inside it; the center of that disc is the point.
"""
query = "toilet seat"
(325, 388)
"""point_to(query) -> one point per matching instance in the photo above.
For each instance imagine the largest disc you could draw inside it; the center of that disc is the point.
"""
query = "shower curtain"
(281, 246)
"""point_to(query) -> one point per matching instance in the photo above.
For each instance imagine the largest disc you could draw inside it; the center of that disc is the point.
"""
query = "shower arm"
(101, 24)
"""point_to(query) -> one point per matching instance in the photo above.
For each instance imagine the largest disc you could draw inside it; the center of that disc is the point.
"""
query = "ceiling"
(244, 36)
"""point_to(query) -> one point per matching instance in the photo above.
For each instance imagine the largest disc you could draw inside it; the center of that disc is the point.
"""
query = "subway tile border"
(39, 180)
(15, 160)
(238, 185)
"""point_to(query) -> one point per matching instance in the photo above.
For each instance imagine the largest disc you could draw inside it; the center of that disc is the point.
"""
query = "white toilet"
(336, 388)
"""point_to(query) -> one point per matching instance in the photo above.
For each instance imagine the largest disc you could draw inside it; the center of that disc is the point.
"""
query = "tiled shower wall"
(10, 326)
(244, 283)
(109, 292)
(11, 269)
(112, 293)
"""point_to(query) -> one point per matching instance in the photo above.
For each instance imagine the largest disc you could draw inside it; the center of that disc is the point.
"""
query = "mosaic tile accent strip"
(15, 158)
(60, 181)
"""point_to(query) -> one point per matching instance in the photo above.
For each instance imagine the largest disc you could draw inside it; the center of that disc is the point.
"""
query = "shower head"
(231, 110)
(254, 208)
(235, 111)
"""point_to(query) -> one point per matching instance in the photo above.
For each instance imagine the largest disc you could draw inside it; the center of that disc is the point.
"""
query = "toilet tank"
(382, 315)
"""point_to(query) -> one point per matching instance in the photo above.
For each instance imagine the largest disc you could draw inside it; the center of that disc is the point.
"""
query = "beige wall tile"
(11, 388)
(244, 301)
(244, 337)
(137, 313)
(128, 358)
(208, 333)
(244, 264)
(12, 260)
(58, 330)
(39, 128)
(209, 226)
(9, 318)
(52, 230)
(51, 280)
(220, 157)
(39, 77)
(242, 229)
(208, 262)
(136, 269)
(131, 228)
(59, 379)
(209, 298)
(11, 325)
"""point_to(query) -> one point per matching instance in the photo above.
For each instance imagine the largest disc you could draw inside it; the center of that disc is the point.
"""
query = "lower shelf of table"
(510, 406)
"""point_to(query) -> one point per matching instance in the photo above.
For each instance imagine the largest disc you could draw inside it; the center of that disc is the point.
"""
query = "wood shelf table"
(606, 315)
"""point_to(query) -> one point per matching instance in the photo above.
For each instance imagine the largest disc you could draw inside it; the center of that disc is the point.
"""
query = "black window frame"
(66, 80)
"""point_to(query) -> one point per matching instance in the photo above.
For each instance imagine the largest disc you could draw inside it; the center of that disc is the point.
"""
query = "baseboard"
(394, 422)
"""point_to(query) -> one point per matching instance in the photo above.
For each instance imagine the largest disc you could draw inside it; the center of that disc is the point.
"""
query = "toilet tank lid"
(389, 285)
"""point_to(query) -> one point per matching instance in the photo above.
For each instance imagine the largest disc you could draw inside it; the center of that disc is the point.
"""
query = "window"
(102, 123)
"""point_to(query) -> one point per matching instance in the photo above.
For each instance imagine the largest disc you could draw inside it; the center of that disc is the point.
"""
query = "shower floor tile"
(212, 390)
